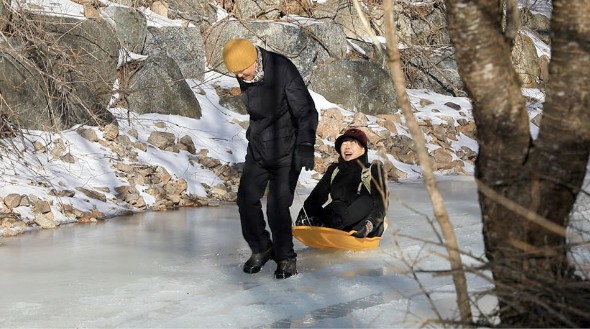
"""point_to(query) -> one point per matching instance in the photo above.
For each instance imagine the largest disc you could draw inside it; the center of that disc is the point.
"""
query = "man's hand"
(363, 229)
(304, 157)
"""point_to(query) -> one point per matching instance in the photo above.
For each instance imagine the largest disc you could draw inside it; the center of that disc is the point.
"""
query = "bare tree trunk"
(528, 261)
(560, 155)
(563, 146)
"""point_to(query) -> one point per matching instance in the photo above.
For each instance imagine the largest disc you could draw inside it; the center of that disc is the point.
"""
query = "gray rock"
(432, 68)
(343, 13)
(307, 45)
(12, 200)
(202, 13)
(68, 157)
(234, 103)
(526, 61)
(44, 221)
(24, 92)
(422, 23)
(369, 51)
(125, 141)
(4, 14)
(130, 26)
(183, 44)
(85, 66)
(92, 194)
(88, 134)
(161, 139)
(539, 23)
(356, 85)
(159, 87)
(187, 141)
(262, 9)
(110, 132)
(40, 206)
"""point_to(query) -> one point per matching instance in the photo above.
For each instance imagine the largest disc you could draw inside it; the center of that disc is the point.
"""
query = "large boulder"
(418, 23)
(270, 9)
(130, 26)
(79, 66)
(343, 13)
(432, 68)
(537, 22)
(201, 13)
(159, 87)
(525, 59)
(422, 23)
(183, 44)
(25, 98)
(428, 60)
(356, 85)
(307, 44)
(4, 14)
(263, 9)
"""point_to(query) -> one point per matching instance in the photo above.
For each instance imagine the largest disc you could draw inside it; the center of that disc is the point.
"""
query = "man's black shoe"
(256, 261)
(286, 268)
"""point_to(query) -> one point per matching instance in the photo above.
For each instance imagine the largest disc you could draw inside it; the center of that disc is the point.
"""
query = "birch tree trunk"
(533, 279)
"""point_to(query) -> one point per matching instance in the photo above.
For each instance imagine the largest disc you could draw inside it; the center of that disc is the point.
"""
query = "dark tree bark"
(534, 282)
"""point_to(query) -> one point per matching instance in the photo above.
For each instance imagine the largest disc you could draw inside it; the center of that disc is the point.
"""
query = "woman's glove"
(363, 229)
(304, 220)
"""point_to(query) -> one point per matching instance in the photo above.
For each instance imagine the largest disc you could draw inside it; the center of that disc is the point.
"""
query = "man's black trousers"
(281, 182)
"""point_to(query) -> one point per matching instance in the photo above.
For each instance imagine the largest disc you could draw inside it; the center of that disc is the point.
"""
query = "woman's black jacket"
(350, 205)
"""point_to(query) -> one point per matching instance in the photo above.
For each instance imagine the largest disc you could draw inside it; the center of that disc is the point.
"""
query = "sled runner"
(329, 238)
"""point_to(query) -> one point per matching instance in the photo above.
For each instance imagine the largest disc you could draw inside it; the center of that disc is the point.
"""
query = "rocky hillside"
(86, 69)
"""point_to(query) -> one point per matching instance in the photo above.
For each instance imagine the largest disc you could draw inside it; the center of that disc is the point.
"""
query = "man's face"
(351, 149)
(248, 73)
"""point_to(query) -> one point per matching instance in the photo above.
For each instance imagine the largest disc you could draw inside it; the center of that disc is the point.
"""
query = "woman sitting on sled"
(351, 196)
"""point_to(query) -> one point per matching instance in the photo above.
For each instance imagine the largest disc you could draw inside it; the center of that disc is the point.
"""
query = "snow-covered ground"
(218, 132)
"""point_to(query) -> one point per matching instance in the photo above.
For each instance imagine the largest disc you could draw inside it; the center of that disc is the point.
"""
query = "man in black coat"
(281, 137)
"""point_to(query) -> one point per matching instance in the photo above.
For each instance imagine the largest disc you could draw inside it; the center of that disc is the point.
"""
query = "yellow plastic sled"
(329, 238)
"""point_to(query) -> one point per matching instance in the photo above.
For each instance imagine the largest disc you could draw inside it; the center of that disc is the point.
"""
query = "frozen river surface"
(184, 269)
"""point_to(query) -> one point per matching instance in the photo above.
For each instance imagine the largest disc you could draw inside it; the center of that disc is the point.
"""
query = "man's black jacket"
(282, 112)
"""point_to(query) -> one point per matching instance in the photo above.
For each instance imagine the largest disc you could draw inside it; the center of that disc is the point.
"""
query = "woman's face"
(248, 73)
(351, 149)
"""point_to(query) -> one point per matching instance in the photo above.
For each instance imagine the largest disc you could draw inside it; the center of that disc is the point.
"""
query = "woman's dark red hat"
(353, 133)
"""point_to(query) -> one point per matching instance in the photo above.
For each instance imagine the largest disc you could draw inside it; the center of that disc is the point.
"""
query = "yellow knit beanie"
(239, 54)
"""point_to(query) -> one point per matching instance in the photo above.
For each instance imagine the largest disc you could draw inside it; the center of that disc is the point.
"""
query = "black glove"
(304, 220)
(304, 156)
(363, 229)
